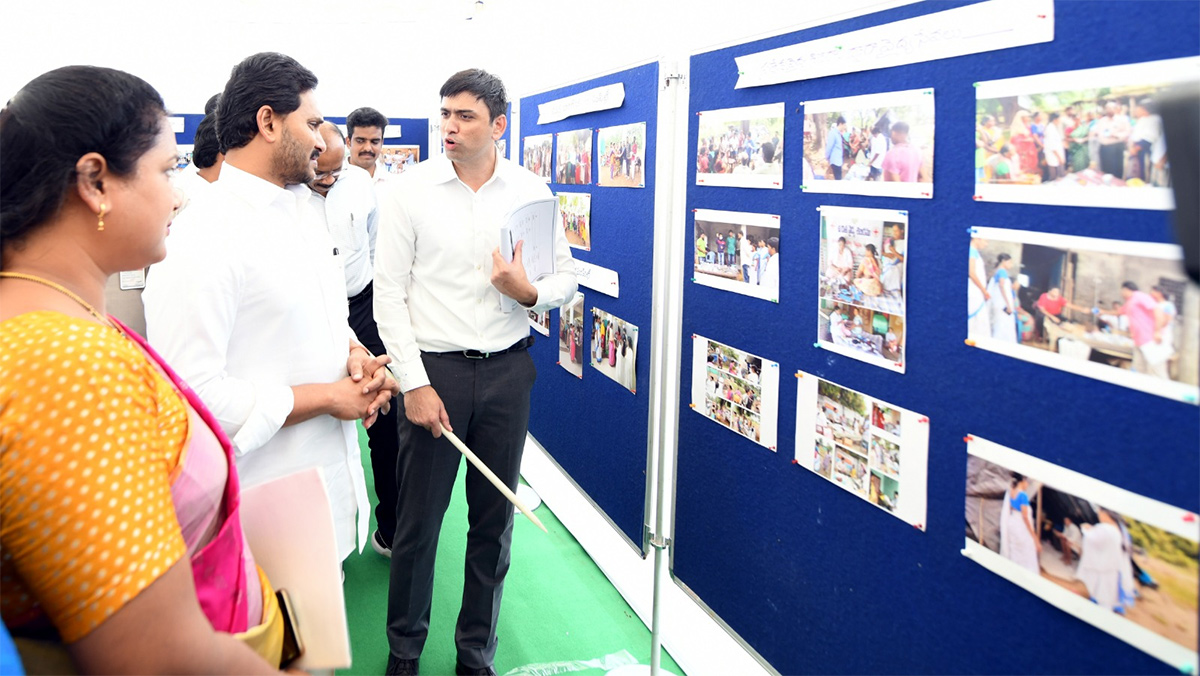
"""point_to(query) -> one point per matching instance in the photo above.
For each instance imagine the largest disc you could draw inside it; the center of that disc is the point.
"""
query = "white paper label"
(600, 98)
(987, 26)
(595, 277)
(133, 279)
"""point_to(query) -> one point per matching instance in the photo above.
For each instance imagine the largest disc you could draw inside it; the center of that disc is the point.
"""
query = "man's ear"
(270, 124)
(498, 126)
(91, 171)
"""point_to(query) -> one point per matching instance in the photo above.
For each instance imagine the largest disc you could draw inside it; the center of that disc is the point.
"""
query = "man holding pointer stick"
(461, 361)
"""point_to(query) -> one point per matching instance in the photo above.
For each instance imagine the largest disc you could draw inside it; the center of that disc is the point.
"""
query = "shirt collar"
(443, 169)
(259, 192)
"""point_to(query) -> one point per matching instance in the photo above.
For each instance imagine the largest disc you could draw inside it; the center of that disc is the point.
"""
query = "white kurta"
(250, 301)
(352, 218)
(1100, 564)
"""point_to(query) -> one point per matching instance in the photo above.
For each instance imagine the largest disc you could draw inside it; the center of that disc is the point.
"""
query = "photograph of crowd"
(539, 155)
(733, 390)
(738, 252)
(876, 144)
(575, 210)
(857, 443)
(614, 348)
(1118, 311)
(573, 161)
(398, 159)
(1103, 554)
(571, 354)
(540, 321)
(862, 282)
(741, 147)
(737, 389)
(622, 153)
(1078, 136)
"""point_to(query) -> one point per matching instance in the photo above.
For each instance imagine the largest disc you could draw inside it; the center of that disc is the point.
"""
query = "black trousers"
(488, 404)
(383, 438)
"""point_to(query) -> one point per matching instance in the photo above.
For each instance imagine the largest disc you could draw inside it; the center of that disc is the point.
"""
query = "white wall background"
(389, 54)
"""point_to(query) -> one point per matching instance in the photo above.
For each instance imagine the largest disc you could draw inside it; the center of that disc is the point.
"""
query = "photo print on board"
(875, 144)
(571, 353)
(622, 156)
(540, 321)
(398, 159)
(614, 348)
(573, 161)
(1089, 138)
(539, 155)
(575, 210)
(741, 147)
(868, 447)
(736, 389)
(1119, 561)
(738, 252)
(861, 307)
(502, 147)
(1122, 312)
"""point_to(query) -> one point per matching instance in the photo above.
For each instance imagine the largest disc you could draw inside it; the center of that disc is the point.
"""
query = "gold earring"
(100, 220)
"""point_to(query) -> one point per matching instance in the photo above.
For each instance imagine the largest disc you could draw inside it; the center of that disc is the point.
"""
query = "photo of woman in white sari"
(1018, 539)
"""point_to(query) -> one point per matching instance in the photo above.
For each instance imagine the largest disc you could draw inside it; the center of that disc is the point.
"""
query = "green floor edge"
(558, 605)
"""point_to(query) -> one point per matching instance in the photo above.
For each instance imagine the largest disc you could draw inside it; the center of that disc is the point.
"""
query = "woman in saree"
(123, 549)
(1018, 539)
(867, 279)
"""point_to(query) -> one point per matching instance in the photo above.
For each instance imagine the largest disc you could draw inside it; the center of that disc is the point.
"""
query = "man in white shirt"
(346, 198)
(250, 308)
(364, 129)
(461, 360)
(770, 278)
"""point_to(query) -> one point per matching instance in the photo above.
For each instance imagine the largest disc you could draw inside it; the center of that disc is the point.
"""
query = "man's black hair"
(483, 86)
(264, 79)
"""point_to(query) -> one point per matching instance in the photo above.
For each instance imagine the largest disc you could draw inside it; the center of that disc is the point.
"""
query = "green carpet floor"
(558, 606)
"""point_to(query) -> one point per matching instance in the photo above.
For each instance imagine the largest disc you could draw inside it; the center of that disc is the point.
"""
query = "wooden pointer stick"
(491, 476)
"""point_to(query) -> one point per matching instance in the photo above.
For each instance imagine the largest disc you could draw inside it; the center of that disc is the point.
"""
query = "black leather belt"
(522, 344)
(365, 292)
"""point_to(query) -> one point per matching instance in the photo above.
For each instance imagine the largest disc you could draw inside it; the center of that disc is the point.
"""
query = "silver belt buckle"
(476, 354)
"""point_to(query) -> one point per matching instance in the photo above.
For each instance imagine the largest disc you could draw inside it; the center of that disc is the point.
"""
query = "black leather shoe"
(399, 667)
(461, 669)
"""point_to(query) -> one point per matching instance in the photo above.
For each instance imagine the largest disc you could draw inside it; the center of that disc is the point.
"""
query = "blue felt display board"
(594, 427)
(815, 578)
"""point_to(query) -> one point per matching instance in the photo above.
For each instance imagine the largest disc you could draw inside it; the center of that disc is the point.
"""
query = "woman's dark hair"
(59, 117)
(482, 85)
(1002, 257)
(872, 249)
(264, 79)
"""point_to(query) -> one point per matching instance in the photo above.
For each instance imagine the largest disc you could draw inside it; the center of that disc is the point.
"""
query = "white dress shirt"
(352, 219)
(250, 301)
(433, 265)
